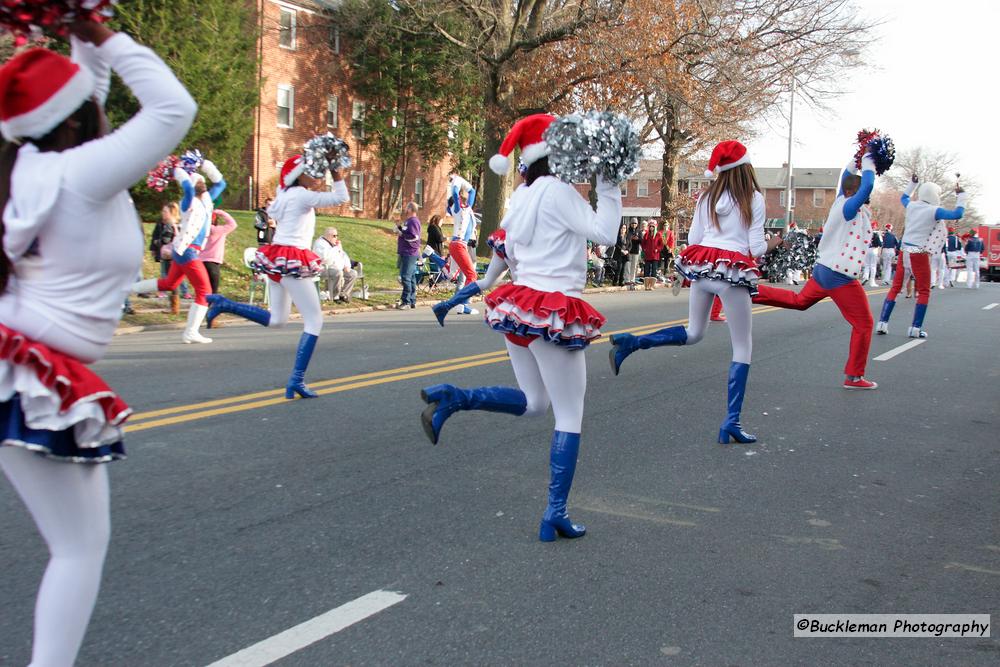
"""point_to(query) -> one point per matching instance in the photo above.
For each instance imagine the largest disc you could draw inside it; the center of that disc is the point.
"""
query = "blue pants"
(407, 268)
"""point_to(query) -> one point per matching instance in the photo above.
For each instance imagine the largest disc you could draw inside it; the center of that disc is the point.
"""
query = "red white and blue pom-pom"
(325, 152)
(191, 160)
(31, 20)
(162, 175)
(879, 146)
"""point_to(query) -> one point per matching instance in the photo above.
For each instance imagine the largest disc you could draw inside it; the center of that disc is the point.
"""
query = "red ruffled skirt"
(53, 404)
(704, 262)
(562, 320)
(285, 260)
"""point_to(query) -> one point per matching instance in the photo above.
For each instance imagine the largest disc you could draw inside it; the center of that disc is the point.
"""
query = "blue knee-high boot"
(623, 345)
(458, 298)
(219, 304)
(562, 466)
(887, 307)
(444, 400)
(296, 382)
(738, 374)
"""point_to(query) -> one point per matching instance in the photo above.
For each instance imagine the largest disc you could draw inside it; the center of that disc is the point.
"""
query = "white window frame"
(642, 189)
(335, 111)
(333, 38)
(282, 11)
(358, 133)
(418, 191)
(290, 90)
(821, 199)
(781, 198)
(360, 175)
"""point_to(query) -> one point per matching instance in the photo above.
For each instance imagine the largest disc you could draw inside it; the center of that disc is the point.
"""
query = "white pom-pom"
(499, 164)
(708, 174)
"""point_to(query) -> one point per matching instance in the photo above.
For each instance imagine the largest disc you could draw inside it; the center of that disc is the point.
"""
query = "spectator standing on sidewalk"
(634, 247)
(264, 224)
(652, 246)
(435, 237)
(408, 249)
(214, 253)
(161, 245)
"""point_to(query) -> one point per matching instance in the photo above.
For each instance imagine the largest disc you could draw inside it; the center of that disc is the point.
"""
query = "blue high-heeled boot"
(296, 382)
(882, 327)
(738, 374)
(623, 345)
(442, 308)
(219, 304)
(562, 466)
(444, 400)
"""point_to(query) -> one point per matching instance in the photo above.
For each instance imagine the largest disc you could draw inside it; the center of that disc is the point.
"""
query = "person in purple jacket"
(408, 249)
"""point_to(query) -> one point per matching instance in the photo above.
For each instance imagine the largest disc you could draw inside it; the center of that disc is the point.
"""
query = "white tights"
(737, 306)
(301, 292)
(548, 374)
(70, 505)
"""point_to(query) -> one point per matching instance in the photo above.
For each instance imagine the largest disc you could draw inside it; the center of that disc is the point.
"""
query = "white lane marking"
(900, 350)
(991, 306)
(293, 639)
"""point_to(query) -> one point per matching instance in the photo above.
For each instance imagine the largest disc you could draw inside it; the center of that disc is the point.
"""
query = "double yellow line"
(181, 414)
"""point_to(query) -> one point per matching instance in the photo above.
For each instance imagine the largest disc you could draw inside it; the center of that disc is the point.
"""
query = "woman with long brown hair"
(726, 235)
(71, 248)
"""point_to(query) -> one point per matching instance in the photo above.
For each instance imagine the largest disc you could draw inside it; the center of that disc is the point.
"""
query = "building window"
(286, 28)
(334, 39)
(781, 198)
(819, 197)
(286, 106)
(332, 107)
(358, 120)
(624, 188)
(418, 191)
(357, 190)
(397, 184)
(643, 188)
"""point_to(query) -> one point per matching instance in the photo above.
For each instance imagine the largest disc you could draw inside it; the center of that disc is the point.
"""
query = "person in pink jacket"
(214, 253)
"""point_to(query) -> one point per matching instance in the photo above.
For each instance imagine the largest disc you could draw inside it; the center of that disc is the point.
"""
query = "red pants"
(920, 265)
(459, 251)
(716, 307)
(853, 304)
(196, 274)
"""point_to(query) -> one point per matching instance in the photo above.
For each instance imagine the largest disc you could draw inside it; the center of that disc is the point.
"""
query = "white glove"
(962, 200)
(851, 167)
(911, 188)
(211, 171)
(181, 176)
(867, 163)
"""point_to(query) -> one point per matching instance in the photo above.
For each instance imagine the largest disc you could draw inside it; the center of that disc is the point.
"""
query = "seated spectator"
(264, 224)
(338, 269)
(595, 254)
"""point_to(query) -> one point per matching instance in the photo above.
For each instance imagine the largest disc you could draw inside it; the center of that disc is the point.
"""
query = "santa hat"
(951, 230)
(725, 156)
(291, 170)
(875, 224)
(526, 135)
(888, 227)
(930, 193)
(39, 89)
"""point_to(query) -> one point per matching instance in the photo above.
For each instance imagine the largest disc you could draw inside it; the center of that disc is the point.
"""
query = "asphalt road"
(242, 518)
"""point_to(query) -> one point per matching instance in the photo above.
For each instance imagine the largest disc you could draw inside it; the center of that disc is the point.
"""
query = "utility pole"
(789, 184)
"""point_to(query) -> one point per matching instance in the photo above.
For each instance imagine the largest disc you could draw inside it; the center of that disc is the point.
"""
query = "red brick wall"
(315, 71)
(806, 214)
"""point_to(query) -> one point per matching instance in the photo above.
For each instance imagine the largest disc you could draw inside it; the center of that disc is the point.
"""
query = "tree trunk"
(494, 187)
(381, 189)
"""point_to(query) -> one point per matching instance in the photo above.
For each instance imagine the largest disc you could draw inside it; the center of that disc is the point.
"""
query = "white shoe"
(324, 296)
(468, 310)
(196, 315)
(882, 328)
(916, 332)
(194, 337)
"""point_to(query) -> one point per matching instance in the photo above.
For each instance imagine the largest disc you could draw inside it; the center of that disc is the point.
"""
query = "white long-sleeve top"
(294, 209)
(70, 226)
(732, 233)
(548, 225)
(333, 256)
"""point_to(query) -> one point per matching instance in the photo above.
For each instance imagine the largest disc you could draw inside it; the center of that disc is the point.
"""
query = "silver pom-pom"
(325, 152)
(581, 145)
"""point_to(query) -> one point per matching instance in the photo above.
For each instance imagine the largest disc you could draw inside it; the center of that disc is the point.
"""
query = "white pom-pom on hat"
(725, 156)
(526, 134)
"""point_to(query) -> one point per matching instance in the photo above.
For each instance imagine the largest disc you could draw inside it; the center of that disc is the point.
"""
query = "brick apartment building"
(815, 190)
(304, 91)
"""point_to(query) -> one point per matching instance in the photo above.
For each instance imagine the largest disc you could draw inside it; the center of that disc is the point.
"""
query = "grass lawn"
(371, 242)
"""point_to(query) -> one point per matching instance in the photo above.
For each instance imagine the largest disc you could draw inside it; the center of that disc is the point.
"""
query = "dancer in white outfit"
(71, 248)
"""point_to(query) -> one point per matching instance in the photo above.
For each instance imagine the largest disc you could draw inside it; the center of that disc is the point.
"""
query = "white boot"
(916, 332)
(145, 286)
(882, 328)
(196, 315)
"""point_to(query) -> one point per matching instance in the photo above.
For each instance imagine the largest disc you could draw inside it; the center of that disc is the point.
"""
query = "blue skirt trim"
(511, 326)
(57, 445)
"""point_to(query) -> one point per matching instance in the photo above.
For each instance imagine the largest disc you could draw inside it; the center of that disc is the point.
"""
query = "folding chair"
(257, 280)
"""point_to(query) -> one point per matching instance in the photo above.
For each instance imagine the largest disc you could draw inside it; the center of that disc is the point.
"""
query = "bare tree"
(935, 166)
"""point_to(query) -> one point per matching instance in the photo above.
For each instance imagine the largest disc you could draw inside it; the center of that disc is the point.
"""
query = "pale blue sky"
(932, 81)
